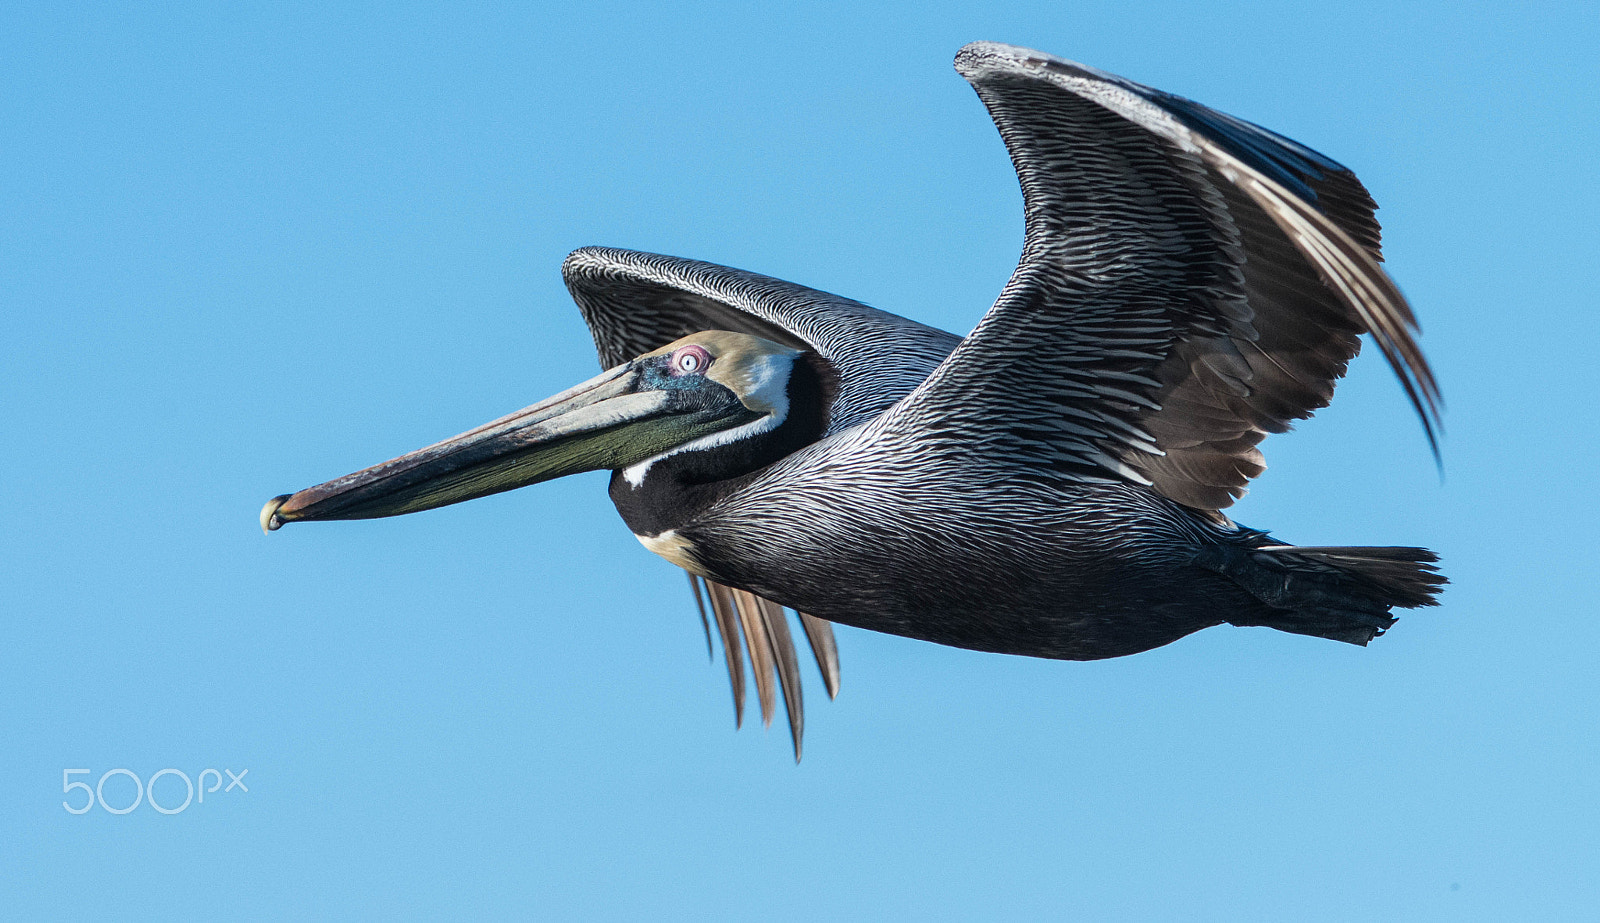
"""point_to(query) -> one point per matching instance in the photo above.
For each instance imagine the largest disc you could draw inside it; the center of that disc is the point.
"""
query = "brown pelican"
(1050, 485)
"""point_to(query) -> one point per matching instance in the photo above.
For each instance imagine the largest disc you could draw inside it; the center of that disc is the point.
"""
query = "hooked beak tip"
(269, 514)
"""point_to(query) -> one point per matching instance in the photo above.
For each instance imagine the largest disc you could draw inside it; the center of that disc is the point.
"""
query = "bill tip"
(269, 514)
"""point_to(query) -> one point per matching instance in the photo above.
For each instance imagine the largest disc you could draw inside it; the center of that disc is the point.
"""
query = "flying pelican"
(1051, 484)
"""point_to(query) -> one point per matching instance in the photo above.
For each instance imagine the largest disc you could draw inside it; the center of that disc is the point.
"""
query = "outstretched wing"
(1189, 283)
(637, 302)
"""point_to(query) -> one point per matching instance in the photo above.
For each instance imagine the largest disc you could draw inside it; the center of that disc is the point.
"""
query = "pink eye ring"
(690, 360)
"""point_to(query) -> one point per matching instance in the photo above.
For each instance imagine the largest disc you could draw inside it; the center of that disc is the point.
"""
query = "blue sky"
(243, 251)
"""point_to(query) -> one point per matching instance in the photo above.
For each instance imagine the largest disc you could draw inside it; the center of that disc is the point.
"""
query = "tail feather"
(1340, 593)
(1396, 576)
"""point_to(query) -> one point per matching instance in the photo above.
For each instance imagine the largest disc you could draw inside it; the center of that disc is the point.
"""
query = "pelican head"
(709, 389)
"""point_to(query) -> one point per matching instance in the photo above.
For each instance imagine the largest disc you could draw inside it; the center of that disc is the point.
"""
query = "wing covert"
(1189, 283)
(636, 302)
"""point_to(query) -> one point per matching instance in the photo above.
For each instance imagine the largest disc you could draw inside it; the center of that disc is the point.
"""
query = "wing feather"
(820, 633)
(756, 639)
(1189, 283)
(726, 610)
(788, 667)
(749, 623)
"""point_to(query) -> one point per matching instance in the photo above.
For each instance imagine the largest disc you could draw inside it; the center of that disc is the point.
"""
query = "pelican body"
(1050, 485)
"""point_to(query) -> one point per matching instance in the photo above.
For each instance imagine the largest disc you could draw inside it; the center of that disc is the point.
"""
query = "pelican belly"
(674, 548)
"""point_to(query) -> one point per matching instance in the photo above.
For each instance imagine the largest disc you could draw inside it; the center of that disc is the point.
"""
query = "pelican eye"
(690, 360)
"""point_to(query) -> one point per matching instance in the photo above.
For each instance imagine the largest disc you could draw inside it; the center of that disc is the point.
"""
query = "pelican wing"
(1189, 283)
(636, 302)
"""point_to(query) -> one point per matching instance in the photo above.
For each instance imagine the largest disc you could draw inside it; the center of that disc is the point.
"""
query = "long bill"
(594, 425)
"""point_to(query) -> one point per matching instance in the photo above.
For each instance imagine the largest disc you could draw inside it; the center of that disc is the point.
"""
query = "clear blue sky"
(243, 251)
